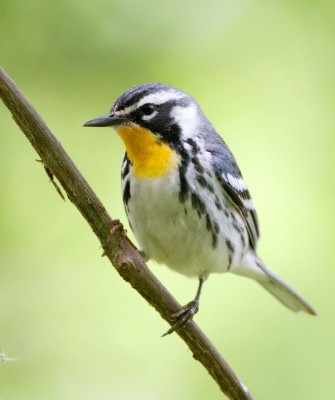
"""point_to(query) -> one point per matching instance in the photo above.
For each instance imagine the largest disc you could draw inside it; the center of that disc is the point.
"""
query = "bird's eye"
(148, 109)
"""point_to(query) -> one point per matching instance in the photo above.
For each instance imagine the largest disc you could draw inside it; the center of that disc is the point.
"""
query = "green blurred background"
(263, 73)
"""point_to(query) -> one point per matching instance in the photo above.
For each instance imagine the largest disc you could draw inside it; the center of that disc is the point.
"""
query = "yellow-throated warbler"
(184, 195)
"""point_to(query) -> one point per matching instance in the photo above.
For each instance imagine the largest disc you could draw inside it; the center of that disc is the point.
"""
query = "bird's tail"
(256, 269)
(282, 291)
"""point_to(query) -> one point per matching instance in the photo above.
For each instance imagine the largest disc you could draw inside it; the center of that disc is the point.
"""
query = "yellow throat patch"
(150, 157)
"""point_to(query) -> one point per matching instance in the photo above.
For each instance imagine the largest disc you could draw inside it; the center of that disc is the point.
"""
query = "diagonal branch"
(117, 247)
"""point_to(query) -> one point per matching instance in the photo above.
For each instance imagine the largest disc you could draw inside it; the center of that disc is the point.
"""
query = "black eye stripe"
(148, 108)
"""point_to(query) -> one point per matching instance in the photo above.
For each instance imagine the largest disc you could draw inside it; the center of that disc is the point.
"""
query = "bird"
(184, 195)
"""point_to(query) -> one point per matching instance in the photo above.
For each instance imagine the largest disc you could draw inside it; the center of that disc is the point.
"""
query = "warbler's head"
(153, 120)
(165, 111)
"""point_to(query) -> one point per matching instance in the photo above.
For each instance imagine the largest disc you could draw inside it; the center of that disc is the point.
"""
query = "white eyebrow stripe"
(155, 98)
(160, 97)
(126, 110)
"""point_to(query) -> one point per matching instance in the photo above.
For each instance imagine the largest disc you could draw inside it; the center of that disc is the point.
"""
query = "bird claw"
(144, 256)
(182, 316)
(117, 226)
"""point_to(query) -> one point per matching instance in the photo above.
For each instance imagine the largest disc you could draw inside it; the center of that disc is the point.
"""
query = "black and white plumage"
(183, 191)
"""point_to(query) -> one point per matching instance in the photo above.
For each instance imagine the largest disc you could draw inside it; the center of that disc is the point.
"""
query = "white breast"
(173, 233)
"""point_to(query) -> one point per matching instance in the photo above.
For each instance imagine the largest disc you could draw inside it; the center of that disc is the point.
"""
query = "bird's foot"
(182, 316)
(116, 226)
(144, 256)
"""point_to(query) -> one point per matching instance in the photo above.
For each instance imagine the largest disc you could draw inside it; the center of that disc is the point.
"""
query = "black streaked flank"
(237, 227)
(198, 204)
(126, 192)
(214, 240)
(218, 204)
(208, 223)
(230, 251)
(125, 170)
(201, 180)
(194, 145)
(184, 186)
(240, 231)
(210, 187)
(230, 246)
(237, 201)
(196, 151)
(214, 229)
(198, 167)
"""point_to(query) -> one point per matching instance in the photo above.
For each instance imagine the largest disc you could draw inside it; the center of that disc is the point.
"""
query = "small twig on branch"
(117, 247)
(52, 180)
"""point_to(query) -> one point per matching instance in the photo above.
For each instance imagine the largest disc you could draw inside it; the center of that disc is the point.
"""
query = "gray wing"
(229, 176)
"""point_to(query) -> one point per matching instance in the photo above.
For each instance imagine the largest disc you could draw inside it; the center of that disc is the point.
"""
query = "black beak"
(105, 120)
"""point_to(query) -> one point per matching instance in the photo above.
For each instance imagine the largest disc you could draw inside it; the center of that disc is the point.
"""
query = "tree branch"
(117, 247)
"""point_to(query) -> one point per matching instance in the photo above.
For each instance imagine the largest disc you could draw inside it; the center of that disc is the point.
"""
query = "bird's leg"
(187, 312)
